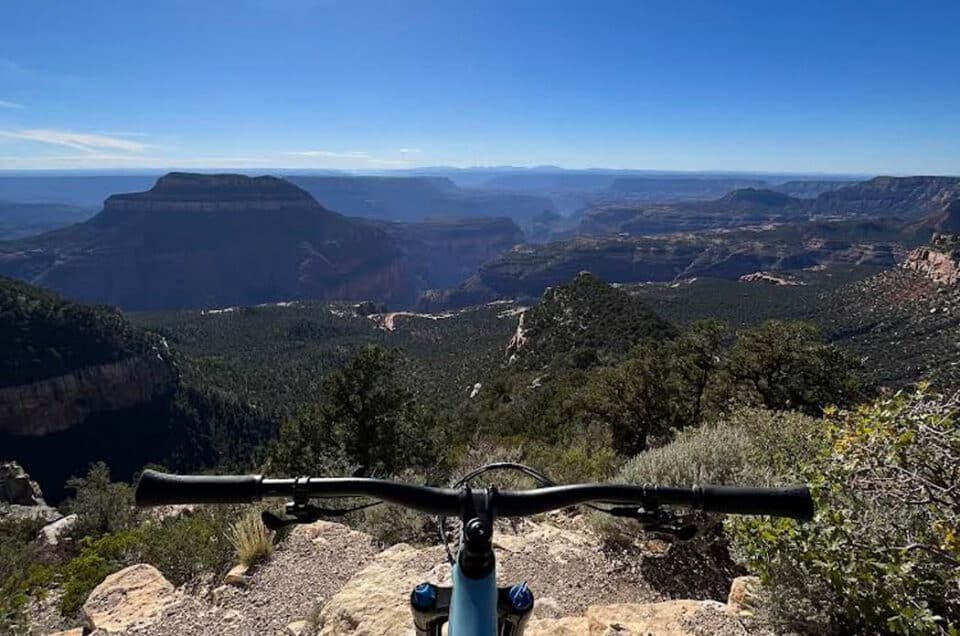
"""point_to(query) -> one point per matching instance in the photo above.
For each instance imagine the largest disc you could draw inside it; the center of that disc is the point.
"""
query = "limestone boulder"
(131, 599)
(568, 626)
(52, 534)
(666, 618)
(376, 599)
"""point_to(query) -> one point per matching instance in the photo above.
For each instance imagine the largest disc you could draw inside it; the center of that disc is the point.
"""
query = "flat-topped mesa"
(758, 196)
(178, 191)
(909, 197)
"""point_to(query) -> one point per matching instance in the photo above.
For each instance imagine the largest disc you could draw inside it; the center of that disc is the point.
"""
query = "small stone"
(297, 628)
(232, 615)
(743, 594)
(238, 575)
(218, 594)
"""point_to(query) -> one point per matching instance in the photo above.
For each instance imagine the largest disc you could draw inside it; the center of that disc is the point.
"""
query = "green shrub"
(20, 574)
(883, 553)
(180, 547)
(787, 365)
(98, 558)
(587, 457)
(662, 387)
(189, 544)
(751, 447)
(366, 420)
(390, 525)
(101, 506)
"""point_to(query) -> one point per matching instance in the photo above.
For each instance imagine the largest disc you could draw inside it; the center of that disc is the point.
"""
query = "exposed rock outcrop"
(772, 279)
(56, 404)
(743, 594)
(328, 579)
(21, 497)
(585, 317)
(17, 488)
(186, 192)
(131, 599)
(940, 266)
(562, 561)
(52, 534)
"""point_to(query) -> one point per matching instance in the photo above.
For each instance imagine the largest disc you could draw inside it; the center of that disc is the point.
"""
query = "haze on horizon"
(812, 87)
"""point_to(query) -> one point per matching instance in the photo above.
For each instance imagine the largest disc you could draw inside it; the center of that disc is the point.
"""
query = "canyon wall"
(59, 403)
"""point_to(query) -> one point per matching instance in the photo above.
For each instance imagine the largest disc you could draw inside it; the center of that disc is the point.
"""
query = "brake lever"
(658, 522)
(297, 513)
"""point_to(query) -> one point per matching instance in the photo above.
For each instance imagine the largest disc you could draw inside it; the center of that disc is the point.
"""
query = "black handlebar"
(155, 489)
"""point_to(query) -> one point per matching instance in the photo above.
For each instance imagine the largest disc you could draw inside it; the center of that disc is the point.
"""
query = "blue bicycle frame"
(473, 608)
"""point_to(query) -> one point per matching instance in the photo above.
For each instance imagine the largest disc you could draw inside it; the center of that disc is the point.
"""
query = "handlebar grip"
(161, 489)
(793, 502)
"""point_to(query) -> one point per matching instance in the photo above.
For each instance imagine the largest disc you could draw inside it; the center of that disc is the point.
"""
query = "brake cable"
(653, 519)
(537, 476)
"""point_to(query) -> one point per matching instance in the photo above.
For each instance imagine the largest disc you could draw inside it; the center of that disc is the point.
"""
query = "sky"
(867, 87)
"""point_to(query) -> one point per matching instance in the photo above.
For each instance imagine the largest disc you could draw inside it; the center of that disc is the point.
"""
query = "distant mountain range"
(908, 198)
(416, 198)
(197, 240)
(200, 240)
(868, 223)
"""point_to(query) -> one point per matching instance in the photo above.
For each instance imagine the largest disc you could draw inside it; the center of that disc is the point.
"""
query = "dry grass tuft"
(250, 539)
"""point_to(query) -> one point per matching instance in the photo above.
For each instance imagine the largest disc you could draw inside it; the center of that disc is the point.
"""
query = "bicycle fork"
(474, 613)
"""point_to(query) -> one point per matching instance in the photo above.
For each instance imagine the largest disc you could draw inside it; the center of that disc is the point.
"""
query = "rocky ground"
(328, 580)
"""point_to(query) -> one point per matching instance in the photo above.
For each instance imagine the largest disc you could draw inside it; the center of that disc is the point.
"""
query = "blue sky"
(864, 87)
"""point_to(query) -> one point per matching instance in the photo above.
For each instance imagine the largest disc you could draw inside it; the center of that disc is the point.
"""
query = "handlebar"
(156, 488)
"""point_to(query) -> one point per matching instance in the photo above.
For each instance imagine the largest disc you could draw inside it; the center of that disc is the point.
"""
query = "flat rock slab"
(132, 598)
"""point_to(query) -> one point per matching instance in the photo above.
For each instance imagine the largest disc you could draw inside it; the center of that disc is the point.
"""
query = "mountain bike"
(473, 605)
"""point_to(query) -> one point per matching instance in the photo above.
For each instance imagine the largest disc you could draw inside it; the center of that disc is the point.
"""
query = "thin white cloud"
(5, 104)
(123, 133)
(410, 151)
(86, 142)
(329, 153)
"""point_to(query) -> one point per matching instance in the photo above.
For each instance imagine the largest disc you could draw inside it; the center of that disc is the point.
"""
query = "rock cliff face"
(56, 404)
(213, 240)
(526, 271)
(942, 265)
